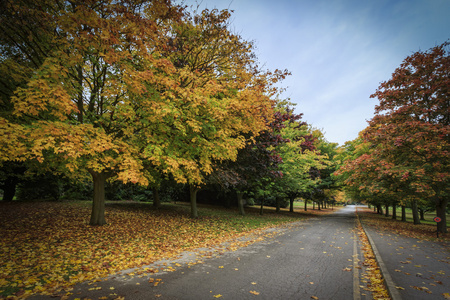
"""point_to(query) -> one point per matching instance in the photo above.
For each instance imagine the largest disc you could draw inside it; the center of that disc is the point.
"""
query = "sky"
(338, 51)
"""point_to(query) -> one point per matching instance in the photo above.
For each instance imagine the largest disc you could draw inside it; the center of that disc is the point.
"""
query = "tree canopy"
(120, 88)
(407, 145)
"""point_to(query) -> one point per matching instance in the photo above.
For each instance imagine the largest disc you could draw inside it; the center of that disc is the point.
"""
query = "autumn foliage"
(133, 91)
(401, 158)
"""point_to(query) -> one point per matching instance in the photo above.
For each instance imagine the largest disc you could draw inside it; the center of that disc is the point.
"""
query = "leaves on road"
(373, 274)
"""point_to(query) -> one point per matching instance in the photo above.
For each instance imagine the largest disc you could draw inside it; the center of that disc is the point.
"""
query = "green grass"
(309, 206)
(428, 216)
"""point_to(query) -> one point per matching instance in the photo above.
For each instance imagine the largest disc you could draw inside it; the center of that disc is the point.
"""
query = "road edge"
(390, 285)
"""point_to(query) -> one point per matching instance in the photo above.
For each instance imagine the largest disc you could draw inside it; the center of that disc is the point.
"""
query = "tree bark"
(261, 209)
(291, 203)
(98, 204)
(422, 214)
(415, 213)
(9, 188)
(379, 209)
(240, 197)
(403, 213)
(386, 214)
(156, 199)
(193, 197)
(441, 205)
(306, 205)
(394, 212)
(277, 201)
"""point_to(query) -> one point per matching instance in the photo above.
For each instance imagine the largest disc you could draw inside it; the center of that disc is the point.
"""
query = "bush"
(40, 187)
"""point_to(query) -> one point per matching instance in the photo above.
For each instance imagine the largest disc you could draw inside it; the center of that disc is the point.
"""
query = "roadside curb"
(390, 285)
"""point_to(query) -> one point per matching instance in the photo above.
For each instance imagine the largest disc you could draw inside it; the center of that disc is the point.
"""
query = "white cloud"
(337, 50)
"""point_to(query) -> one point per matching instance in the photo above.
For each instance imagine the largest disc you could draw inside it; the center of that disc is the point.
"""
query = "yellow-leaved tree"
(130, 89)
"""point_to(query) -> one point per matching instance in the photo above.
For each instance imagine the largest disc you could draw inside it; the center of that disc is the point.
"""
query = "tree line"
(145, 93)
(402, 157)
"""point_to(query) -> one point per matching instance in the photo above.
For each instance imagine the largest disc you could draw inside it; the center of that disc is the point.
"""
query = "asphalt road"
(314, 258)
(420, 270)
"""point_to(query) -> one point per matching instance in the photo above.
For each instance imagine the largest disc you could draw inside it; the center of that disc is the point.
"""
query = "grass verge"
(425, 231)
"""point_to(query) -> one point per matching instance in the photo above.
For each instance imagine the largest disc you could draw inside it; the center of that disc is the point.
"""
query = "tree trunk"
(403, 213)
(193, 197)
(387, 210)
(261, 210)
(441, 205)
(379, 209)
(421, 214)
(415, 213)
(314, 205)
(240, 197)
(306, 205)
(277, 201)
(394, 212)
(9, 188)
(156, 199)
(98, 204)
(291, 203)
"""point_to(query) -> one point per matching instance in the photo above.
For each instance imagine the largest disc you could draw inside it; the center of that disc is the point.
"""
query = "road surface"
(314, 259)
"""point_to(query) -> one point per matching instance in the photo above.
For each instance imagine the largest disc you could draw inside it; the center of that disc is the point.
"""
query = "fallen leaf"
(254, 292)
(347, 269)
(217, 296)
(314, 297)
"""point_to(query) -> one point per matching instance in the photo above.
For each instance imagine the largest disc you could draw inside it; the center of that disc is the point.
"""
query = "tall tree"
(257, 162)
(412, 123)
(110, 99)
(300, 159)
(229, 96)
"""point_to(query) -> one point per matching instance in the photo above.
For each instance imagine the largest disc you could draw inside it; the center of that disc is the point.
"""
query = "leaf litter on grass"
(49, 246)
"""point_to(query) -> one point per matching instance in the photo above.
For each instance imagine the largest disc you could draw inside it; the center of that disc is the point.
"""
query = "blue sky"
(338, 51)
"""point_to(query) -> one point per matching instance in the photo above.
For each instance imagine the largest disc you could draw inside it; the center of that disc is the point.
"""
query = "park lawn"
(428, 216)
(49, 246)
(425, 231)
(299, 206)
